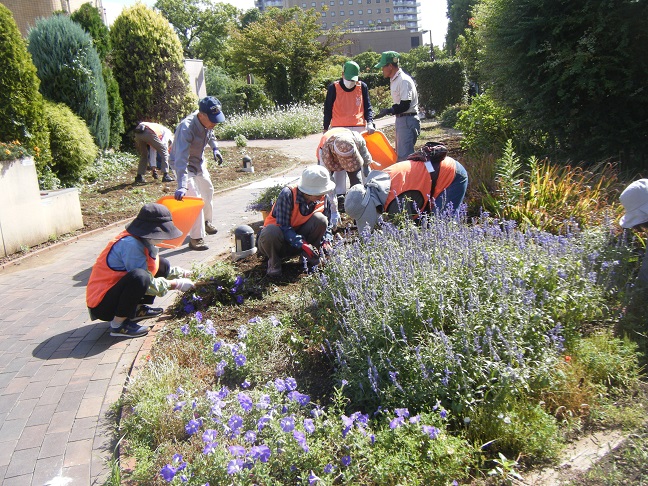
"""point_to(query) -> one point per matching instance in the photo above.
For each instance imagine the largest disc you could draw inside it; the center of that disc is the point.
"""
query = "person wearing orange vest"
(129, 273)
(347, 105)
(299, 221)
(429, 181)
(156, 136)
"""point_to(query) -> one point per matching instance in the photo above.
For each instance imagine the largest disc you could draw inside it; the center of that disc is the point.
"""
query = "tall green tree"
(148, 66)
(70, 71)
(21, 104)
(459, 15)
(575, 70)
(89, 18)
(283, 49)
(202, 25)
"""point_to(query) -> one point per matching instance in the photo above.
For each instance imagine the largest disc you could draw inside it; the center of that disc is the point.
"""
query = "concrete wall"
(28, 218)
(196, 72)
(26, 12)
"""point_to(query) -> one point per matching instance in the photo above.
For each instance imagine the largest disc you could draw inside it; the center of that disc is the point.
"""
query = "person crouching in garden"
(408, 185)
(129, 273)
(299, 220)
(343, 150)
(634, 199)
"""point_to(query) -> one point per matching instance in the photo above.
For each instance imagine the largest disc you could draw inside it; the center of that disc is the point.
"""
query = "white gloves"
(183, 284)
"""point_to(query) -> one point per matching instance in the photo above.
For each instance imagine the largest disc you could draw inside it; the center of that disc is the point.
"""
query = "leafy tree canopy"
(459, 14)
(283, 49)
(575, 70)
(202, 25)
(89, 18)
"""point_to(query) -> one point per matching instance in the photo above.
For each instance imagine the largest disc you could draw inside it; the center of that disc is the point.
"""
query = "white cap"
(315, 181)
(635, 201)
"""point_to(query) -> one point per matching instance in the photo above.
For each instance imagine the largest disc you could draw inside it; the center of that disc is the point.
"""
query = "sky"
(433, 15)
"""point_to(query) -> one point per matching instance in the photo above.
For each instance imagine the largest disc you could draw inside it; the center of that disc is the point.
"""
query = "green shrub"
(89, 18)
(441, 84)
(449, 117)
(148, 66)
(21, 104)
(70, 72)
(73, 149)
(115, 107)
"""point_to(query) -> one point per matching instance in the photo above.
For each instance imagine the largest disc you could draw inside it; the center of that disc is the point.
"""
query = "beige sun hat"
(315, 181)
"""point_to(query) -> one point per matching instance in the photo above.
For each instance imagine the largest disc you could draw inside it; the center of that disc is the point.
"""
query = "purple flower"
(275, 322)
(237, 450)
(260, 453)
(255, 320)
(402, 412)
(178, 406)
(345, 461)
(280, 385)
(234, 466)
(301, 439)
(235, 423)
(184, 329)
(299, 397)
(189, 308)
(415, 419)
(250, 436)
(396, 422)
(220, 368)
(209, 435)
(245, 401)
(238, 281)
(209, 448)
(309, 426)
(239, 299)
(193, 426)
(443, 414)
(245, 385)
(240, 359)
(199, 316)
(264, 402)
(329, 468)
(287, 424)
(312, 479)
(168, 472)
(217, 346)
(291, 384)
(431, 431)
(262, 422)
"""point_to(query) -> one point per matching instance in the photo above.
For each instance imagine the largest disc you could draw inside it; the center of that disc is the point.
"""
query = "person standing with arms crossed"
(347, 105)
(405, 107)
(192, 135)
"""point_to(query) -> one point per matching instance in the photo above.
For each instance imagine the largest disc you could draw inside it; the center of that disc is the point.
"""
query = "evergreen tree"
(148, 65)
(21, 104)
(89, 18)
(459, 14)
(70, 72)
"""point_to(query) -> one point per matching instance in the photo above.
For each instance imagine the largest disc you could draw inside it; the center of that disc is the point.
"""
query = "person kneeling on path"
(343, 150)
(129, 273)
(408, 185)
(299, 221)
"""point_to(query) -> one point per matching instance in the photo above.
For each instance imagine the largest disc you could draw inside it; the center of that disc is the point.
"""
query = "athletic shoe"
(167, 178)
(139, 179)
(146, 312)
(210, 229)
(129, 330)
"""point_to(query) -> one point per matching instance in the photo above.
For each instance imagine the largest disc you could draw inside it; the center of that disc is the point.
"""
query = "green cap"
(387, 57)
(351, 71)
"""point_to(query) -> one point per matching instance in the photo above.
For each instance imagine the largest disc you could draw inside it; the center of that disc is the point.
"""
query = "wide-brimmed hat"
(154, 222)
(635, 202)
(363, 203)
(341, 153)
(211, 107)
(315, 181)
(387, 57)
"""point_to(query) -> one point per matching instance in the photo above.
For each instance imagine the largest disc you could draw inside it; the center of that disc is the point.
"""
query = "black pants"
(129, 292)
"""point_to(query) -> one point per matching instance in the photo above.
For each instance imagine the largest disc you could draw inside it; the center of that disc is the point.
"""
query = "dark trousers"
(129, 292)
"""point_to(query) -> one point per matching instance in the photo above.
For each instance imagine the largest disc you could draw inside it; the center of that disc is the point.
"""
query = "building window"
(323, 25)
(341, 2)
(332, 14)
(360, 22)
(352, 23)
(303, 5)
(332, 3)
(350, 2)
(313, 4)
(323, 14)
(415, 42)
(368, 11)
(377, 10)
(387, 10)
(351, 12)
(359, 12)
(341, 13)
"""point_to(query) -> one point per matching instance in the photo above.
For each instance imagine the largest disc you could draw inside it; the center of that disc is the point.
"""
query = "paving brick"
(30, 368)
(31, 437)
(11, 429)
(51, 395)
(21, 463)
(104, 371)
(84, 428)
(22, 409)
(16, 385)
(77, 474)
(24, 480)
(7, 402)
(97, 388)
(33, 390)
(62, 377)
(54, 444)
(69, 401)
(6, 450)
(42, 414)
(78, 453)
(48, 471)
(89, 407)
(5, 378)
(61, 421)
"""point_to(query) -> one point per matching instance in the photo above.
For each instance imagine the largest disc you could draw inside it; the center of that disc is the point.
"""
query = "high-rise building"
(358, 15)
(27, 12)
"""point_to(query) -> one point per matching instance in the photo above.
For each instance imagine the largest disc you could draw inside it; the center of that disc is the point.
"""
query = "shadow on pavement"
(82, 277)
(80, 343)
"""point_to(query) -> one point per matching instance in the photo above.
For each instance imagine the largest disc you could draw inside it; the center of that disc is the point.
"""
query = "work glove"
(383, 112)
(218, 157)
(309, 250)
(183, 284)
(180, 193)
(335, 219)
(371, 127)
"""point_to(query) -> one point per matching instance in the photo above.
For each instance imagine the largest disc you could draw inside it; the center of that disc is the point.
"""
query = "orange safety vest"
(411, 175)
(155, 128)
(296, 218)
(348, 108)
(103, 278)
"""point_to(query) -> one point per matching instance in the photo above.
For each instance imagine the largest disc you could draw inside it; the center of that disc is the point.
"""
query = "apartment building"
(26, 12)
